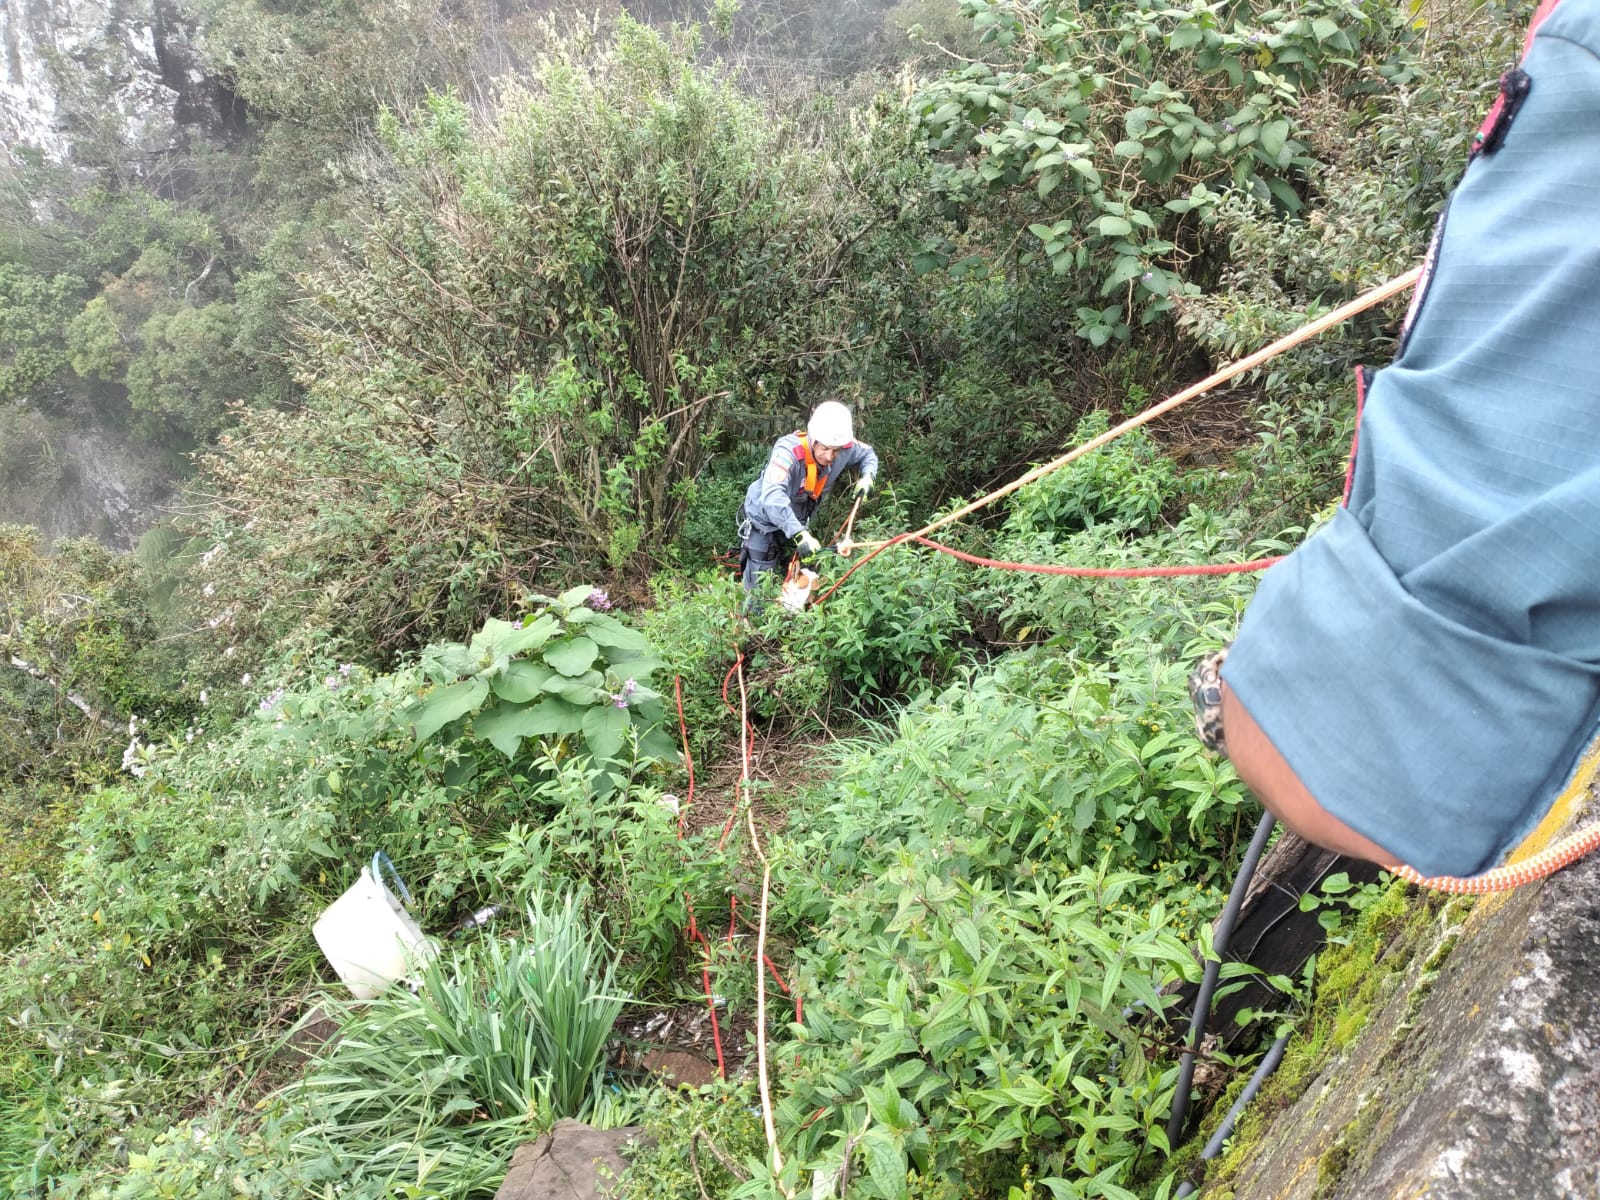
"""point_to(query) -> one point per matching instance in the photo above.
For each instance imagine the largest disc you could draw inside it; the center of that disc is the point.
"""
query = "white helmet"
(830, 425)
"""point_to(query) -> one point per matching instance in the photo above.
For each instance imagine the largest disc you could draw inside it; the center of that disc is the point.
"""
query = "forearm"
(1280, 790)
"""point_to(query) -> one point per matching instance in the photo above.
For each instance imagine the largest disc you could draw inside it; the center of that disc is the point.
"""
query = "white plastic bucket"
(368, 937)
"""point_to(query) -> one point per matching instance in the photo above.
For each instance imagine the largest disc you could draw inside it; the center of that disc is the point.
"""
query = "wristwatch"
(1205, 690)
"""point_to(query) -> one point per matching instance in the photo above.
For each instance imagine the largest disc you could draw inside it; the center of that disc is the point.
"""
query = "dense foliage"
(473, 313)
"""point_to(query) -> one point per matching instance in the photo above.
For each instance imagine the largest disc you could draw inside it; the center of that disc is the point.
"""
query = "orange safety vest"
(815, 482)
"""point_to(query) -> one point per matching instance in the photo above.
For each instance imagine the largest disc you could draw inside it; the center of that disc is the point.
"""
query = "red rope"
(1260, 564)
(705, 981)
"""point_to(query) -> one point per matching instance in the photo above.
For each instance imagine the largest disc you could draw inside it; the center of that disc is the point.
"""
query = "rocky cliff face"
(1478, 1076)
(79, 74)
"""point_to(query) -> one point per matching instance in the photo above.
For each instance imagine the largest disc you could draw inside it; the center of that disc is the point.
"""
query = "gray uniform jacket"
(778, 501)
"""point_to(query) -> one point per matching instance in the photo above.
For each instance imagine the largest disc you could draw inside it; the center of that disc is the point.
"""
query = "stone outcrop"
(1477, 1078)
(119, 71)
(571, 1162)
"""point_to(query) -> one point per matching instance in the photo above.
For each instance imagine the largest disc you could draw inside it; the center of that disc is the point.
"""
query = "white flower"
(245, 679)
(210, 589)
(204, 698)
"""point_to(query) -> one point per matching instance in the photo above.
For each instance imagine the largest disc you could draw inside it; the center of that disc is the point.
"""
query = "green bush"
(1108, 169)
(896, 627)
(1127, 483)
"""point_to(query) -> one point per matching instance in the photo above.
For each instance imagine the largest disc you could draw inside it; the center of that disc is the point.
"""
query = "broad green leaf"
(575, 596)
(1285, 195)
(530, 636)
(505, 725)
(1324, 28)
(572, 656)
(487, 642)
(1186, 37)
(585, 690)
(447, 661)
(445, 704)
(609, 631)
(886, 1163)
(1112, 226)
(604, 728)
(522, 681)
(637, 668)
(553, 715)
(658, 744)
(1273, 136)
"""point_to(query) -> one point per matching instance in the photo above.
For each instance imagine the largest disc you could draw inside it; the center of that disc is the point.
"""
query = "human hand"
(807, 543)
(864, 485)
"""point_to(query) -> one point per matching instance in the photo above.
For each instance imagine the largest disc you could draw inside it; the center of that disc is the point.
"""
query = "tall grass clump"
(501, 1039)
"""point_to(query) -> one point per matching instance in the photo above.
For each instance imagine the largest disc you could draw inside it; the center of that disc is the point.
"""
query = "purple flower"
(620, 699)
(599, 601)
(1228, 126)
(271, 702)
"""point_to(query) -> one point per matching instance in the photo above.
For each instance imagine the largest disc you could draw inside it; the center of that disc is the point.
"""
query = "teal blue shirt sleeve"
(1429, 663)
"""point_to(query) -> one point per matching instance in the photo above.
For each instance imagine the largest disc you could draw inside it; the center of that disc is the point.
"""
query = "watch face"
(1205, 691)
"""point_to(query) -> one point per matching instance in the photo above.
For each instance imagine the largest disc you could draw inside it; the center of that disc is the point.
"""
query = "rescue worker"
(1416, 682)
(798, 474)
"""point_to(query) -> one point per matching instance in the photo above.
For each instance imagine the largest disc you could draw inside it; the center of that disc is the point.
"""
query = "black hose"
(1208, 983)
(1268, 1065)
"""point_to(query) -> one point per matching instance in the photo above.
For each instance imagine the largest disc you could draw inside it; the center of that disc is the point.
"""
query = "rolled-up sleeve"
(1429, 663)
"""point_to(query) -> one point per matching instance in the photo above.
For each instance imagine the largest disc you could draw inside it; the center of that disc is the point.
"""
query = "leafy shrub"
(972, 1034)
(1046, 824)
(894, 628)
(1127, 483)
(566, 672)
(1116, 162)
(705, 1142)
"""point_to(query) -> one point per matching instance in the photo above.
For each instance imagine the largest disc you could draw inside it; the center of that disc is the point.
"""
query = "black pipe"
(1268, 1065)
(1208, 983)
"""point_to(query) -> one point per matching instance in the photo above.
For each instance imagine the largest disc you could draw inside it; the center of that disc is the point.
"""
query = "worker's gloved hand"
(863, 485)
(808, 544)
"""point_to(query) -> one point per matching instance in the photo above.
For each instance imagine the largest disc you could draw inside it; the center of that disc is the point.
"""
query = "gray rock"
(571, 1162)
(1483, 1086)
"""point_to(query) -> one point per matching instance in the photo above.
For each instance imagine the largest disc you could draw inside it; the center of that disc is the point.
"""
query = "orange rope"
(1260, 564)
(1502, 879)
(1306, 332)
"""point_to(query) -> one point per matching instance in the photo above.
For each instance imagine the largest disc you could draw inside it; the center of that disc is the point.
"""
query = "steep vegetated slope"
(505, 325)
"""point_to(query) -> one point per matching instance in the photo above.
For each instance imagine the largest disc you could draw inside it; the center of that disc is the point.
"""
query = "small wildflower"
(204, 697)
(210, 589)
(599, 600)
(345, 669)
(620, 699)
(230, 652)
(245, 679)
(332, 682)
(271, 701)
